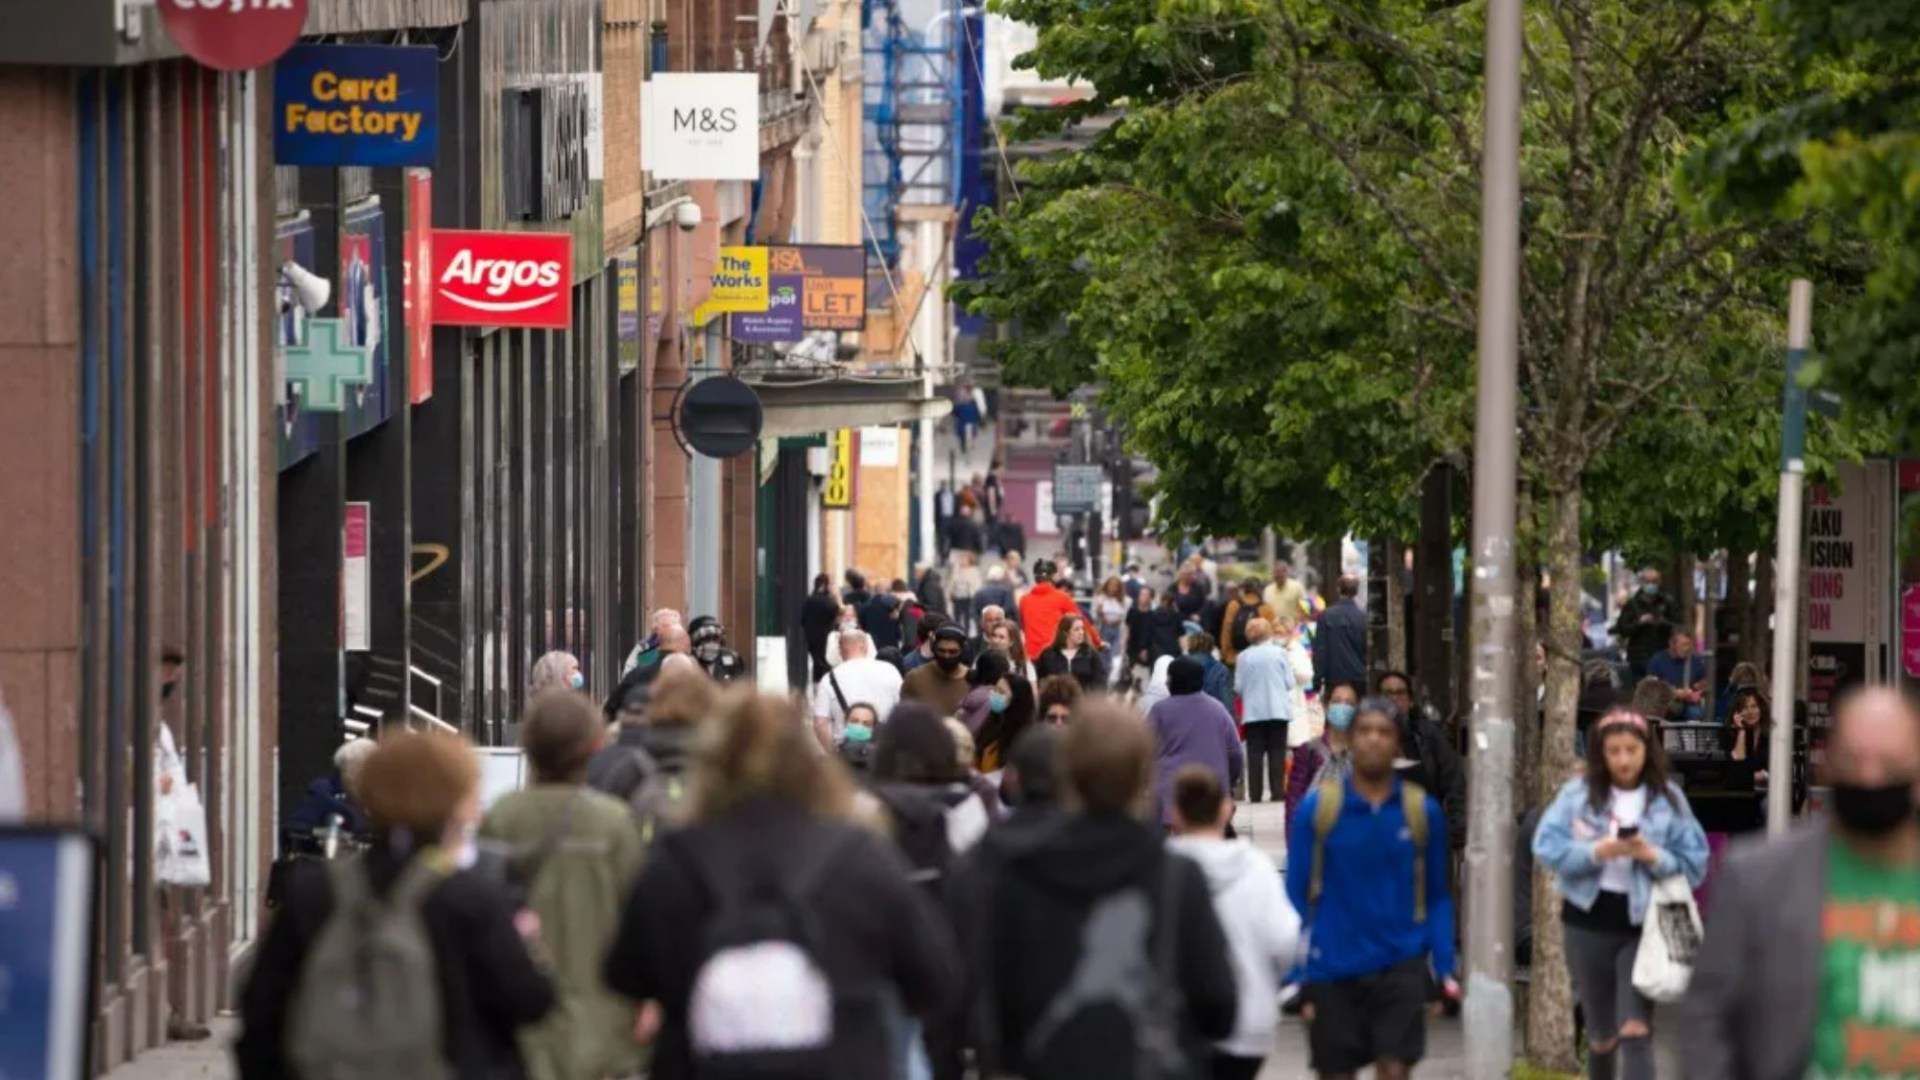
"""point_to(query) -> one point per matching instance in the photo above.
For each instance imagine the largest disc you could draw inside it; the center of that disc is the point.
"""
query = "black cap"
(1044, 568)
(950, 632)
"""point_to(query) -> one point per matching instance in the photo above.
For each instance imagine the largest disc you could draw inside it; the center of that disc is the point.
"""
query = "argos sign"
(502, 279)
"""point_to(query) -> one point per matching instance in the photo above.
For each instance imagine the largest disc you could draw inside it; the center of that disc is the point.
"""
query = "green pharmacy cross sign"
(325, 364)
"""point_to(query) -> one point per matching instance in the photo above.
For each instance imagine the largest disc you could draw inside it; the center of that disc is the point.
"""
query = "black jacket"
(1190, 602)
(1087, 666)
(1022, 899)
(489, 985)
(1165, 629)
(880, 618)
(818, 613)
(1340, 646)
(1642, 640)
(1440, 770)
(877, 928)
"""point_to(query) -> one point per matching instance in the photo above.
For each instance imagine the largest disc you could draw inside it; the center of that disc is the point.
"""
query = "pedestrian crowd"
(1003, 845)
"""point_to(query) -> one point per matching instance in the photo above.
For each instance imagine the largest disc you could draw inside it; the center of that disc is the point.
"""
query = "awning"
(807, 402)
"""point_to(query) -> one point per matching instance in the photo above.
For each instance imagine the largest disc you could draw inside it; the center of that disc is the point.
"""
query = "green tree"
(1269, 262)
(1845, 151)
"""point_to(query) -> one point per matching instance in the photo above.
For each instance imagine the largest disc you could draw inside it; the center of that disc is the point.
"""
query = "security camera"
(687, 216)
(310, 290)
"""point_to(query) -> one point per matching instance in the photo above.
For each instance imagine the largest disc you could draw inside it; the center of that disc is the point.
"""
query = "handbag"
(1669, 942)
(182, 856)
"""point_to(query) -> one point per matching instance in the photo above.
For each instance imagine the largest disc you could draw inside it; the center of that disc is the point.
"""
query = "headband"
(1625, 718)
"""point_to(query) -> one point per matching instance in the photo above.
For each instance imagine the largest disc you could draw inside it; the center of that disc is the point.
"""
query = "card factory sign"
(370, 105)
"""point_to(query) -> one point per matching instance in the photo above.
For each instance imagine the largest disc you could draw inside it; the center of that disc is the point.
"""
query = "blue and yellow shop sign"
(356, 105)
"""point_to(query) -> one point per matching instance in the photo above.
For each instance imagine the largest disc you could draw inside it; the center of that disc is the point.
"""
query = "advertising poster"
(362, 300)
(739, 281)
(293, 242)
(48, 901)
(656, 286)
(834, 296)
(417, 268)
(782, 321)
(1848, 591)
(356, 577)
(627, 302)
(374, 105)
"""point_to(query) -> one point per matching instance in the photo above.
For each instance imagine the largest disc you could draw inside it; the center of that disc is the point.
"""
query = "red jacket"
(1040, 613)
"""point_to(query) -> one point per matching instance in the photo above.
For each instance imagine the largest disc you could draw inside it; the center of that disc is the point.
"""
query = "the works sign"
(340, 105)
(502, 279)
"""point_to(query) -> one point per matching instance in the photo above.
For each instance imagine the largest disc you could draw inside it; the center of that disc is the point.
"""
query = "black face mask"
(1873, 811)
(947, 663)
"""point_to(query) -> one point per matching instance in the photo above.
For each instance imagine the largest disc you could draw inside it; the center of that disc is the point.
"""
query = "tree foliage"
(1845, 150)
(1268, 263)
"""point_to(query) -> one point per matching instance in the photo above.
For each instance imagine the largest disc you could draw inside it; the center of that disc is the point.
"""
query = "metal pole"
(1786, 558)
(1489, 996)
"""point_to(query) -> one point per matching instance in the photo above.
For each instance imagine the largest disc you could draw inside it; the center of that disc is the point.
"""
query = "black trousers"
(1266, 754)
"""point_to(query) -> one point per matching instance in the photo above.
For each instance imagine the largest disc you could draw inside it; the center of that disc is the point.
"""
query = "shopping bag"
(182, 858)
(1669, 941)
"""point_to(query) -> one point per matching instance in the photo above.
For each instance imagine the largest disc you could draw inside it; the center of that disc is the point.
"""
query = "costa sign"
(502, 279)
(234, 35)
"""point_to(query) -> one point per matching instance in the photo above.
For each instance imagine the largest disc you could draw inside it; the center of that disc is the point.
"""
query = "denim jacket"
(1570, 828)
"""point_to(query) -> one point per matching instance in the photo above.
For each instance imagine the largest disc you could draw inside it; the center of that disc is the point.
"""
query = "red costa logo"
(503, 279)
(234, 35)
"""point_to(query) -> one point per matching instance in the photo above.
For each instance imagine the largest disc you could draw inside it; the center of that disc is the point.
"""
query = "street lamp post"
(1786, 558)
(1489, 997)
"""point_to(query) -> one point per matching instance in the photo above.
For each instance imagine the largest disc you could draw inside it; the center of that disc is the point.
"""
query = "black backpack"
(761, 1006)
(1245, 615)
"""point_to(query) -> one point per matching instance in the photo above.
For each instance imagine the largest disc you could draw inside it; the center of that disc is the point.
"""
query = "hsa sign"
(374, 105)
(503, 279)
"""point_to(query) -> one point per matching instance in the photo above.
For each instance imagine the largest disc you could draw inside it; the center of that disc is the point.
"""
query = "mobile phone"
(1628, 832)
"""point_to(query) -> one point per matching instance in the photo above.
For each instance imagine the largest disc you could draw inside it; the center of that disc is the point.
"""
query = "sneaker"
(1291, 1000)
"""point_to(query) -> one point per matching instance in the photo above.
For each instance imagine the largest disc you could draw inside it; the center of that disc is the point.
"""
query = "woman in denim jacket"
(1608, 836)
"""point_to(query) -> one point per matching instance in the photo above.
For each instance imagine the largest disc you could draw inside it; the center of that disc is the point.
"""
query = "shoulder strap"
(421, 876)
(527, 867)
(1413, 804)
(839, 695)
(1326, 814)
(1167, 954)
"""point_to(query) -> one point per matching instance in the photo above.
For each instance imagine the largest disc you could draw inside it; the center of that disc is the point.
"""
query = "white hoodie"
(1263, 933)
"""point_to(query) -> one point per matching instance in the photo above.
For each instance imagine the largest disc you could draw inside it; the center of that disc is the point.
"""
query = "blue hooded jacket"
(1364, 921)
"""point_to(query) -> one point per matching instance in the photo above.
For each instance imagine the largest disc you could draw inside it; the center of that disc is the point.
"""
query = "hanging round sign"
(234, 35)
(720, 416)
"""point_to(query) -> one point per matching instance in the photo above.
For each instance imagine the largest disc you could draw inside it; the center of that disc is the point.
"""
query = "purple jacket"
(1193, 729)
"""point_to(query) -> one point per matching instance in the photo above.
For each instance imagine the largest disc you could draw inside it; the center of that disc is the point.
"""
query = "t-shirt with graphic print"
(1869, 1019)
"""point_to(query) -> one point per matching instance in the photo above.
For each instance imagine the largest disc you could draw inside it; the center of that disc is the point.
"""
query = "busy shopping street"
(960, 540)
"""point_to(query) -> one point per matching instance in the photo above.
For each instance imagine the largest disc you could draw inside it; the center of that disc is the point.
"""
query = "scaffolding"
(912, 109)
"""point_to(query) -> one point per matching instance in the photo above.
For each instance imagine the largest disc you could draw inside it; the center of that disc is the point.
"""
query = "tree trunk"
(1763, 612)
(1550, 1040)
(1526, 631)
(1681, 585)
(1396, 589)
(1740, 600)
(1326, 563)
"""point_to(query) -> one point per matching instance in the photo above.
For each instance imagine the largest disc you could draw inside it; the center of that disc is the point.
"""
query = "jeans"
(1601, 963)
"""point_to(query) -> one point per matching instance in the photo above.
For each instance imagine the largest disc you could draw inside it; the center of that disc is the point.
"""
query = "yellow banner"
(838, 492)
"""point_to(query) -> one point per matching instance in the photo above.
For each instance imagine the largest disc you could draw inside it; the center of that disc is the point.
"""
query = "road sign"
(1076, 488)
(323, 366)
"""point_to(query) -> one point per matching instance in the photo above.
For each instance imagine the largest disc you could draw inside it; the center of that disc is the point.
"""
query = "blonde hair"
(962, 743)
(550, 672)
(758, 746)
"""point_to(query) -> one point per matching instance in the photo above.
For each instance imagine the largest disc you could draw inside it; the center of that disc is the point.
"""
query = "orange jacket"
(1040, 613)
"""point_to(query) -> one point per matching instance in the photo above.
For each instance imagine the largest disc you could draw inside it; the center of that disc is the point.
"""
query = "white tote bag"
(182, 858)
(1669, 941)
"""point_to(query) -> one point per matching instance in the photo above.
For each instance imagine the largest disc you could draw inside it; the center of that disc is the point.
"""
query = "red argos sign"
(234, 35)
(502, 279)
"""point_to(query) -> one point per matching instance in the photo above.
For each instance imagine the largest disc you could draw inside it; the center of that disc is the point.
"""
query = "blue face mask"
(859, 733)
(1340, 717)
(998, 702)
(577, 681)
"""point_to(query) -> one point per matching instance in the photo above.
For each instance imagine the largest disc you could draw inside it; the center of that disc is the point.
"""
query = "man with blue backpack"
(1371, 879)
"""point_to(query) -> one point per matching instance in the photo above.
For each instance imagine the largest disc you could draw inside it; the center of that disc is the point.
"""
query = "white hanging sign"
(701, 126)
